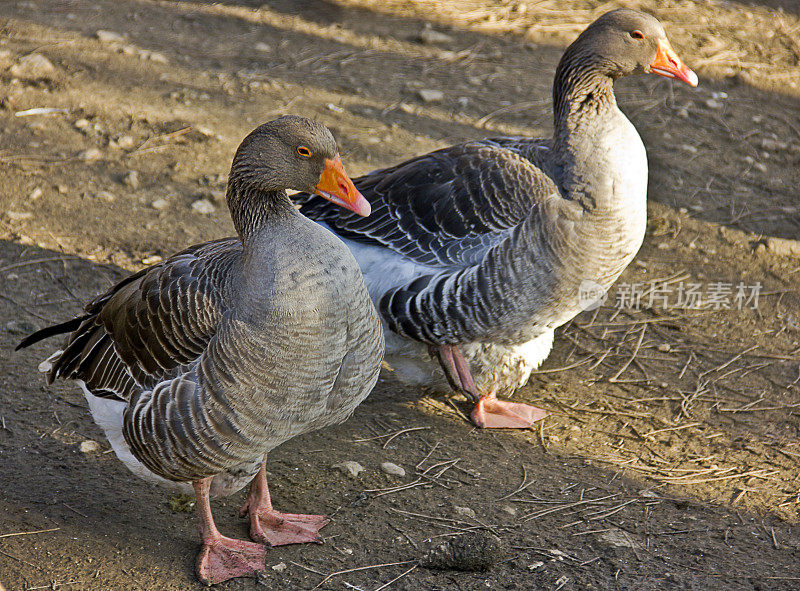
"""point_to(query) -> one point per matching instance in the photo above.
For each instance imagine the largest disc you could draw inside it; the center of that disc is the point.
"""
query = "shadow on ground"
(569, 519)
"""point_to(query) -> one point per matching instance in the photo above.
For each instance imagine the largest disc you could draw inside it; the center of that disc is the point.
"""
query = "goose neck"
(252, 207)
(583, 94)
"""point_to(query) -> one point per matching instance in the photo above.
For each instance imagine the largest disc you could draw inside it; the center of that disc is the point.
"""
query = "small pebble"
(774, 145)
(88, 446)
(106, 196)
(131, 179)
(509, 509)
(664, 347)
(261, 46)
(204, 206)
(393, 469)
(334, 108)
(431, 96)
(280, 567)
(429, 36)
(714, 104)
(350, 468)
(90, 155)
(619, 539)
(124, 142)
(35, 194)
(109, 37)
(663, 246)
(153, 56)
(63, 189)
(688, 148)
(152, 260)
(81, 124)
(783, 246)
(32, 66)
(205, 131)
(465, 512)
(535, 565)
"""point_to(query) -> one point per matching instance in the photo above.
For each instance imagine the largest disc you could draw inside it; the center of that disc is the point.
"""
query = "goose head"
(626, 41)
(298, 154)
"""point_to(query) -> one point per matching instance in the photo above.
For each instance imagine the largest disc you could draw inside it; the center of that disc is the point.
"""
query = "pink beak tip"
(362, 206)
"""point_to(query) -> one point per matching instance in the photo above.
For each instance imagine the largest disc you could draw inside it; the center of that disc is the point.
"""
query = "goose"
(478, 251)
(197, 367)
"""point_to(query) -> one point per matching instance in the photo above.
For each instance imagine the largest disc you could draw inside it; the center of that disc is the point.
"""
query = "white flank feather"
(46, 365)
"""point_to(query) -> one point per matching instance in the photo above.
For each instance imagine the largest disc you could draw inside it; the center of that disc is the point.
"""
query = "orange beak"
(667, 63)
(335, 186)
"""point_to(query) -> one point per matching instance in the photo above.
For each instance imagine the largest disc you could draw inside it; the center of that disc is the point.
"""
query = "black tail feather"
(51, 331)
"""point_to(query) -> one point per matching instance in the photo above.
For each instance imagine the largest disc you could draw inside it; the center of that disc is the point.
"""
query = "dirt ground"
(670, 457)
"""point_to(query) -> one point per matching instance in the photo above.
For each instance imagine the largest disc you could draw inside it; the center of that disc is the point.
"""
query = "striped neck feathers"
(251, 206)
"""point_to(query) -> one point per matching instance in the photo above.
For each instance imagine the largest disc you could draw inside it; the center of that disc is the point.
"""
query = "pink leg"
(222, 558)
(489, 412)
(268, 525)
(457, 371)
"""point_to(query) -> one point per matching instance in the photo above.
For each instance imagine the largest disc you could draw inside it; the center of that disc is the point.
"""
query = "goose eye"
(303, 151)
(637, 34)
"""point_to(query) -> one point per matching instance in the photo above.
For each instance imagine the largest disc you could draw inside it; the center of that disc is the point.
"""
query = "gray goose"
(479, 251)
(196, 367)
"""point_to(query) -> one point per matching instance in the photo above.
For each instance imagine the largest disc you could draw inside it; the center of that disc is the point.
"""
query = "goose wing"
(148, 327)
(448, 207)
